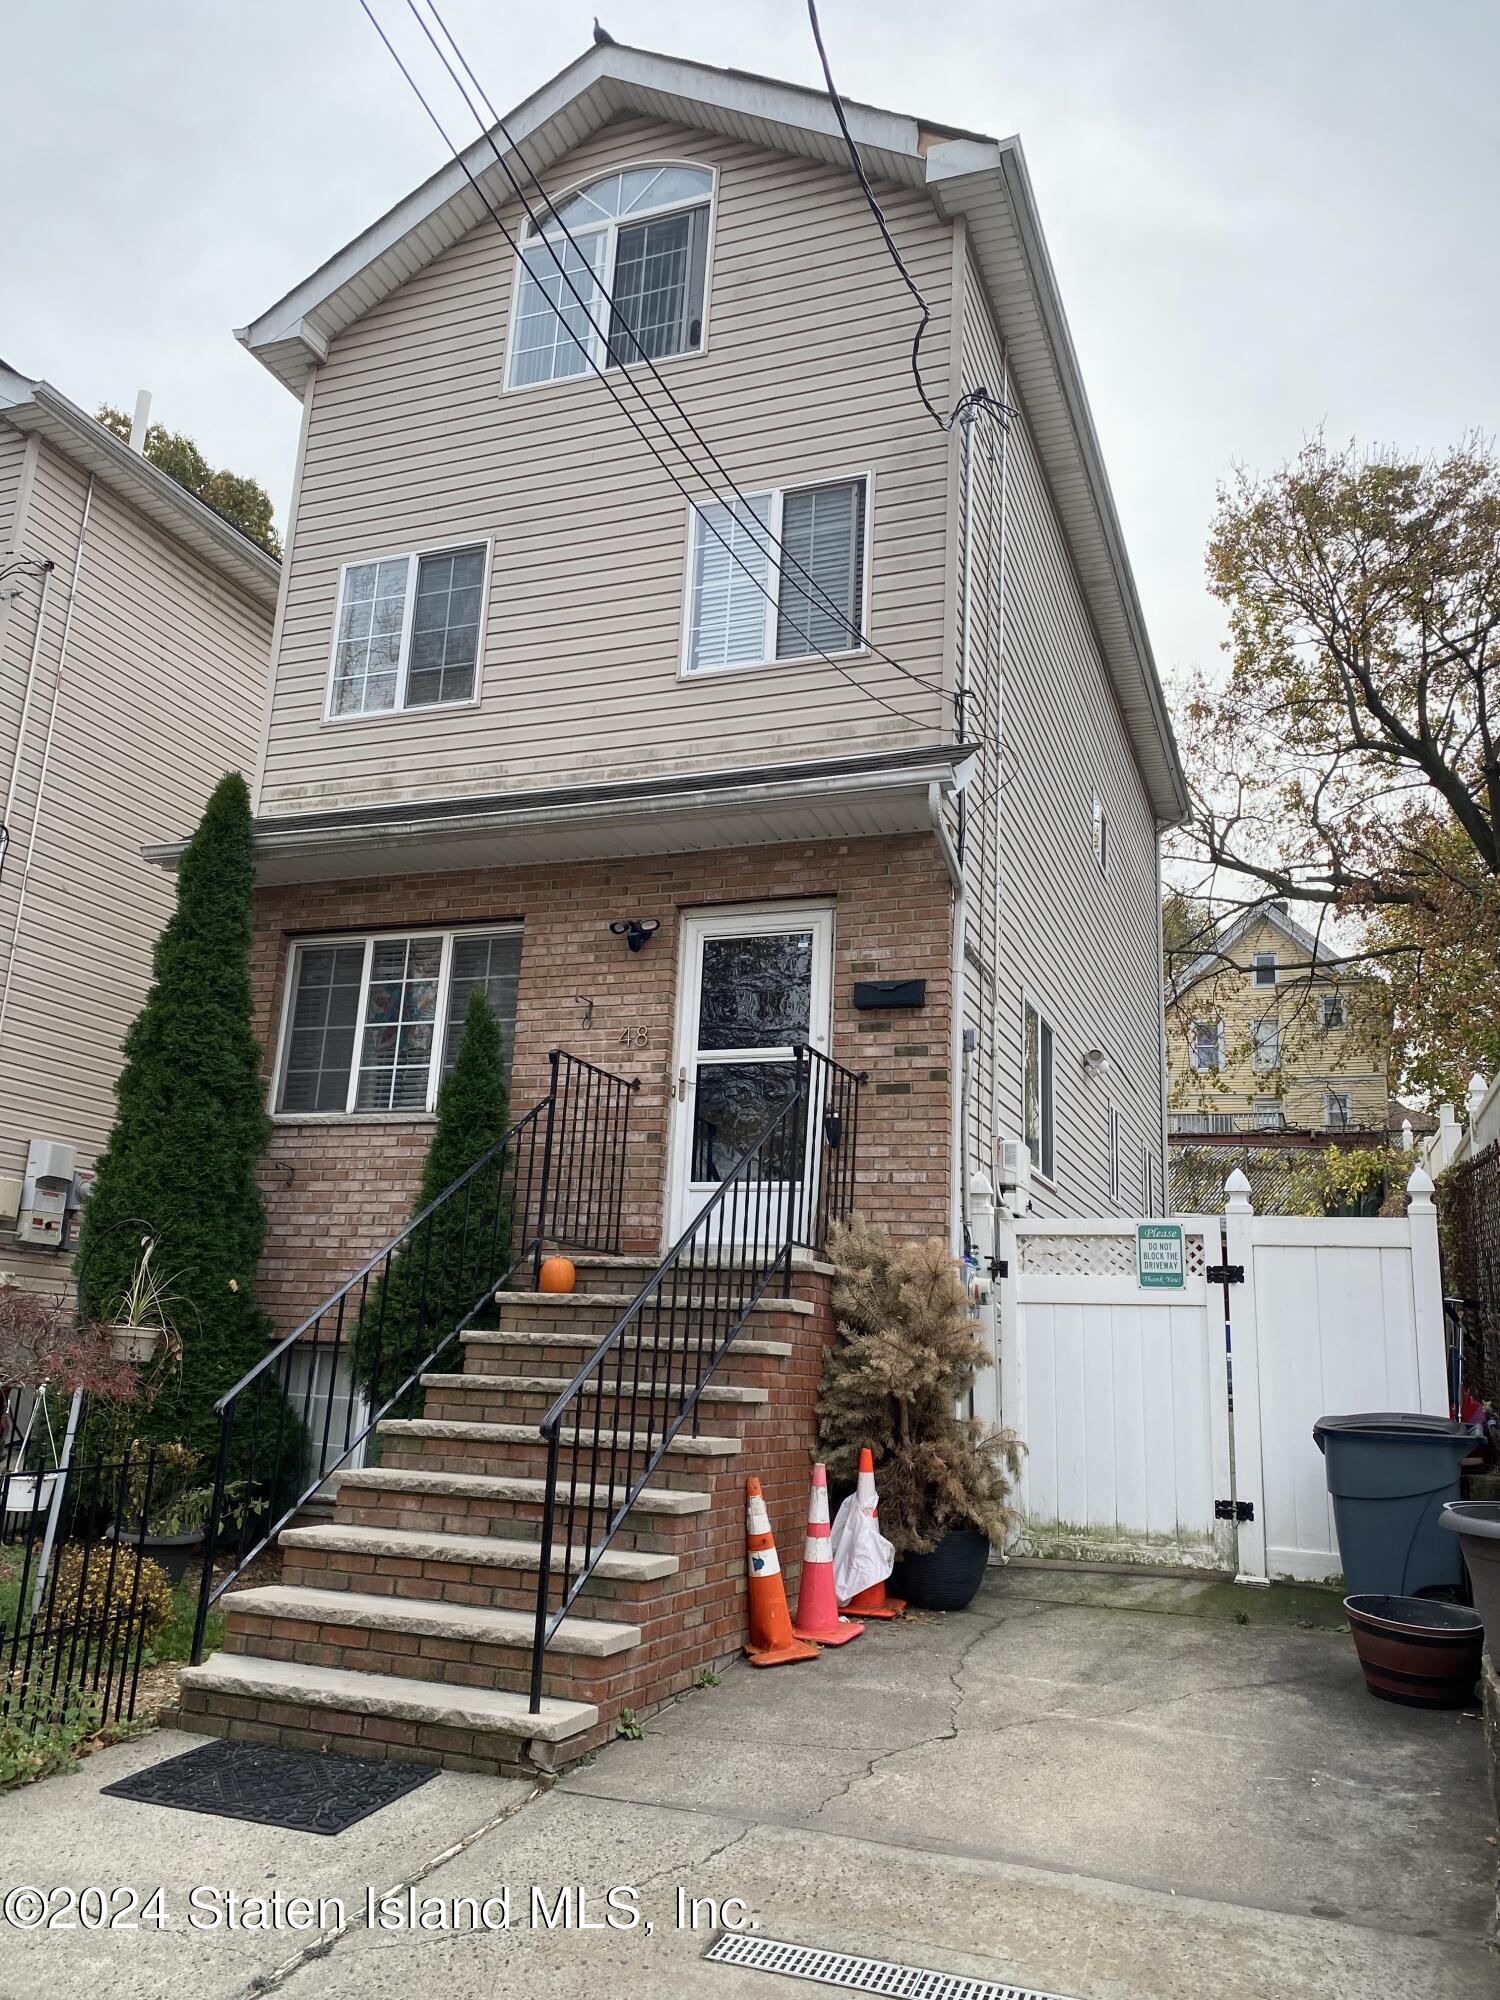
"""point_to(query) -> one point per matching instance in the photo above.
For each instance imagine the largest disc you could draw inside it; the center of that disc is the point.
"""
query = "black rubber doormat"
(304, 1790)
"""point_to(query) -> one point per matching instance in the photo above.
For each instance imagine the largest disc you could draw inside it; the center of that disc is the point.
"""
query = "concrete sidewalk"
(1096, 1786)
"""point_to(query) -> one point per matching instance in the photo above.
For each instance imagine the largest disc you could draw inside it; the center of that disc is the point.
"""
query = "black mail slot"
(890, 993)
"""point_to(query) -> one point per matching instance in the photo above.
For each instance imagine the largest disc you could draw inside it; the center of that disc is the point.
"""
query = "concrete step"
(550, 1387)
(522, 1308)
(472, 1504)
(428, 1444)
(397, 1545)
(468, 1624)
(378, 1715)
(478, 1342)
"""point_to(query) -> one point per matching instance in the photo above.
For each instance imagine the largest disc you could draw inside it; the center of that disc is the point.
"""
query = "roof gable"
(980, 181)
(1259, 916)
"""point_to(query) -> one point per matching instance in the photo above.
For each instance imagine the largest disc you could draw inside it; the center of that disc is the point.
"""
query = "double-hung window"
(1338, 1110)
(777, 576)
(1206, 1046)
(373, 1023)
(616, 275)
(1331, 1007)
(407, 632)
(1265, 1045)
(1265, 968)
(1038, 1104)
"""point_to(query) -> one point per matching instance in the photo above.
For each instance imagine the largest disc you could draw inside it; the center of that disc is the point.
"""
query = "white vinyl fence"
(1166, 1384)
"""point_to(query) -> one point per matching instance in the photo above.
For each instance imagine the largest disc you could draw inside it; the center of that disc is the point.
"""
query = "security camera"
(1096, 1061)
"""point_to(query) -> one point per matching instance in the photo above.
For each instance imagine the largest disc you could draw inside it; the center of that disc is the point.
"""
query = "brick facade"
(336, 1188)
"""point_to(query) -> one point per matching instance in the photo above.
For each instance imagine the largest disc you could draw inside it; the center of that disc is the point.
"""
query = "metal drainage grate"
(858, 1975)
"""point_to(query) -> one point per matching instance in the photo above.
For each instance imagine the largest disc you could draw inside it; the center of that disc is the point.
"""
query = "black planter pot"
(948, 1576)
(175, 1553)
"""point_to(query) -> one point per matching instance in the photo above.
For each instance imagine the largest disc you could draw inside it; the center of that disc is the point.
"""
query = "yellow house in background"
(1270, 1031)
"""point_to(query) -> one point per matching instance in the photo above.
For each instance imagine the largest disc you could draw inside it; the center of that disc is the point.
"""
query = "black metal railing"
(77, 1597)
(609, 1429)
(556, 1177)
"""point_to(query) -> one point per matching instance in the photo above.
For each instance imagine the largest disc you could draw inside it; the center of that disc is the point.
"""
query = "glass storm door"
(752, 987)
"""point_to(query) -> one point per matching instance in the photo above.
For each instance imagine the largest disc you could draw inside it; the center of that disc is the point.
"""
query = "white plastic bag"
(862, 1557)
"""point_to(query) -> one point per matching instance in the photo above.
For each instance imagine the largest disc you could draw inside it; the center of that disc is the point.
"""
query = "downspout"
(41, 781)
(958, 1228)
(1163, 1140)
(993, 884)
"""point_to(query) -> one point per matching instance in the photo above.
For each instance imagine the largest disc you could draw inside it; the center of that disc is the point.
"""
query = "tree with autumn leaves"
(1350, 759)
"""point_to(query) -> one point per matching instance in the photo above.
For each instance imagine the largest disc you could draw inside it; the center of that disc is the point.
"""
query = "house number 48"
(635, 1038)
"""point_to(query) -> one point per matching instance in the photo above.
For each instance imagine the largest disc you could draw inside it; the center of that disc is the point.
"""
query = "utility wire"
(629, 415)
(978, 398)
(758, 530)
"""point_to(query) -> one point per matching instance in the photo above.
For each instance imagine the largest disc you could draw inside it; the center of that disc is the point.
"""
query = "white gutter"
(41, 781)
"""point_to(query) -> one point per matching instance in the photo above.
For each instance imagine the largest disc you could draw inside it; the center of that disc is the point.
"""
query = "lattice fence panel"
(1090, 1256)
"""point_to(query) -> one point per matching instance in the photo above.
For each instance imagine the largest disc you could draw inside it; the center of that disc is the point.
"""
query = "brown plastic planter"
(1477, 1526)
(1416, 1650)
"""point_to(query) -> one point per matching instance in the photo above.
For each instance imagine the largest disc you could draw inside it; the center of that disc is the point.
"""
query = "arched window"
(641, 238)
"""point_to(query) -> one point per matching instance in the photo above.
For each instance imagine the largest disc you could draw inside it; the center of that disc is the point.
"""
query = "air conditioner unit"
(1012, 1165)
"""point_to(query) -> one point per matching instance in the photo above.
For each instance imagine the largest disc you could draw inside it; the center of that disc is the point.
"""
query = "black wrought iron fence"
(79, 1592)
(610, 1428)
(556, 1177)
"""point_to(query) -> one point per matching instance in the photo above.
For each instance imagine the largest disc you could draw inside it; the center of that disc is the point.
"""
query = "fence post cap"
(1237, 1187)
(1421, 1185)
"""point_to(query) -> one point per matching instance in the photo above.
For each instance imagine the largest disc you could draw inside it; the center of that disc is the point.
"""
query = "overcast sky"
(1263, 219)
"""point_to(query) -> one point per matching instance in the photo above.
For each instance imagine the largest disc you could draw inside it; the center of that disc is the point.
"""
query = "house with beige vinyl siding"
(134, 630)
(725, 718)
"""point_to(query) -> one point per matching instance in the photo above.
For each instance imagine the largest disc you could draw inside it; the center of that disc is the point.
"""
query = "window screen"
(731, 579)
(445, 627)
(325, 1015)
(367, 652)
(400, 1018)
(493, 963)
(822, 531)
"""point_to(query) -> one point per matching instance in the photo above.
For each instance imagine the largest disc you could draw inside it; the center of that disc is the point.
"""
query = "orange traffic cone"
(817, 1611)
(771, 1642)
(871, 1603)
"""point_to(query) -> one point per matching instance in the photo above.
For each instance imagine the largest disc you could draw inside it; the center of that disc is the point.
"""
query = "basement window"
(372, 1024)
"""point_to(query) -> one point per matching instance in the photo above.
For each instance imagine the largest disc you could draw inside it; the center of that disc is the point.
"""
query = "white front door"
(752, 985)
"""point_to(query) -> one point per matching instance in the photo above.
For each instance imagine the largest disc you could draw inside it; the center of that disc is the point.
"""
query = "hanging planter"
(135, 1344)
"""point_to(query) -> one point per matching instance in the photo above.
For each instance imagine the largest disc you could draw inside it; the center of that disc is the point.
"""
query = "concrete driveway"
(1089, 1785)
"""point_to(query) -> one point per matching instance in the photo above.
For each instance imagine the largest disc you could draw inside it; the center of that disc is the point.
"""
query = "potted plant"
(167, 1505)
(905, 1362)
(138, 1322)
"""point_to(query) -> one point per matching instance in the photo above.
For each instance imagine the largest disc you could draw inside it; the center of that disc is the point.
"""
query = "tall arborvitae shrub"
(190, 1127)
(440, 1272)
(906, 1357)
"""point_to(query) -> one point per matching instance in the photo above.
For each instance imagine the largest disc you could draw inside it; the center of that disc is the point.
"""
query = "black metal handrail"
(557, 1176)
(783, 1193)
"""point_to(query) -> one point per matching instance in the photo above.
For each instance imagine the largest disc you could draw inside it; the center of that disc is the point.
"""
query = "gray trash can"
(1389, 1476)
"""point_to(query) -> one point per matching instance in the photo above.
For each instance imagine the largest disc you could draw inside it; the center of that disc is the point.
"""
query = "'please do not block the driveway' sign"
(1159, 1261)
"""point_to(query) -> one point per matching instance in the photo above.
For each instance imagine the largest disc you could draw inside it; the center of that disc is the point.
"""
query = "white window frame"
(1101, 835)
(1268, 1114)
(1332, 1003)
(1206, 1069)
(369, 940)
(1346, 1099)
(1268, 1025)
(1260, 962)
(777, 495)
(595, 365)
(1116, 1141)
(1046, 1094)
(413, 559)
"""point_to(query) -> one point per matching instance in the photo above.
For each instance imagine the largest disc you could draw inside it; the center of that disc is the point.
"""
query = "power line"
(759, 531)
(978, 398)
(899, 714)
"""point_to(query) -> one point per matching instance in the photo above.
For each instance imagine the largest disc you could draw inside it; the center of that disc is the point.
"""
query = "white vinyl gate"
(1158, 1433)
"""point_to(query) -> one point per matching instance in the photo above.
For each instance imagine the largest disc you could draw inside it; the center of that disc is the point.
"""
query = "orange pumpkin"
(558, 1274)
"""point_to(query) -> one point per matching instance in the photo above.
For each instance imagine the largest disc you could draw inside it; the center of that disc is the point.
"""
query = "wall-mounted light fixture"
(635, 930)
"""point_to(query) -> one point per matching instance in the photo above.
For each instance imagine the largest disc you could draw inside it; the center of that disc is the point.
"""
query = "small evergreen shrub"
(105, 1592)
(441, 1270)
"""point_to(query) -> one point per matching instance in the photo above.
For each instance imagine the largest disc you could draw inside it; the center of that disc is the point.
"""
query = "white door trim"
(683, 1199)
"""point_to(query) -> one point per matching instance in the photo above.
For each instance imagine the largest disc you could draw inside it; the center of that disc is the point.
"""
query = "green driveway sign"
(1159, 1261)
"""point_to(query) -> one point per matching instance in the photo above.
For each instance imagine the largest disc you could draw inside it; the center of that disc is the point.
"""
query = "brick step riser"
(736, 1370)
(508, 1520)
(631, 1276)
(678, 1474)
(626, 1600)
(479, 1403)
(445, 1662)
(773, 1322)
